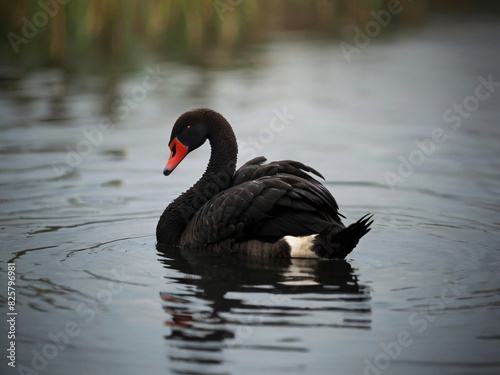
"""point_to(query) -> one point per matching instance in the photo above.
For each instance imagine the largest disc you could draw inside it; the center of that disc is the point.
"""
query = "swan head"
(190, 131)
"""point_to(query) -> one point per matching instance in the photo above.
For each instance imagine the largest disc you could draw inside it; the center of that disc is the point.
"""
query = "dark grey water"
(407, 130)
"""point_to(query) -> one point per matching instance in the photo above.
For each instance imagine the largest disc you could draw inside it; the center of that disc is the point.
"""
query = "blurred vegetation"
(87, 34)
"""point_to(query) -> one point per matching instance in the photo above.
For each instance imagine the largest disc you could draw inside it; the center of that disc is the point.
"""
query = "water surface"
(420, 293)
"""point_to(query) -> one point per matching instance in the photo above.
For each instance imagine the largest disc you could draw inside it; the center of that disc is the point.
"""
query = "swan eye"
(189, 126)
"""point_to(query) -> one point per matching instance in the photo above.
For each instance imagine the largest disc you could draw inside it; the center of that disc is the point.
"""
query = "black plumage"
(250, 211)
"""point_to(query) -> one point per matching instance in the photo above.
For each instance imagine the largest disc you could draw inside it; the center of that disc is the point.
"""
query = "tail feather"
(334, 244)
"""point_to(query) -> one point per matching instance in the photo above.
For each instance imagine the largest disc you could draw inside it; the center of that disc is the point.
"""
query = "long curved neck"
(216, 178)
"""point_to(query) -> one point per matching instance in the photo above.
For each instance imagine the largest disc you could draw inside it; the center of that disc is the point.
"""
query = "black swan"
(269, 210)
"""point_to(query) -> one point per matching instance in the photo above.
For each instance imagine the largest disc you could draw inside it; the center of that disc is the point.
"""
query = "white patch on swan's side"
(300, 246)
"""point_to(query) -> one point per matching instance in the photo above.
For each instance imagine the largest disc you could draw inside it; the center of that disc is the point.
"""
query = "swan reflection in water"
(224, 303)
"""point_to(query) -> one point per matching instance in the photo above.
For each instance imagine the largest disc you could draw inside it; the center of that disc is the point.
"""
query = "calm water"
(420, 293)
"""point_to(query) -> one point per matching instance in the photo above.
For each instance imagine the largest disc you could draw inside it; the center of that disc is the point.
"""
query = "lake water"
(407, 130)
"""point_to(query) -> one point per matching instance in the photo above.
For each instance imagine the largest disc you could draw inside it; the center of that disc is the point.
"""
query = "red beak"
(177, 152)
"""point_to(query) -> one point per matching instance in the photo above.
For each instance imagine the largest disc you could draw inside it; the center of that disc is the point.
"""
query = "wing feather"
(265, 202)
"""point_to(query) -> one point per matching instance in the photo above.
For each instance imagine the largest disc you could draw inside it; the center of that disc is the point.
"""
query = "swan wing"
(255, 168)
(265, 208)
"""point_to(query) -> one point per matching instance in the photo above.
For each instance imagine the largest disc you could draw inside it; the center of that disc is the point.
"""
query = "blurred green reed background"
(83, 35)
